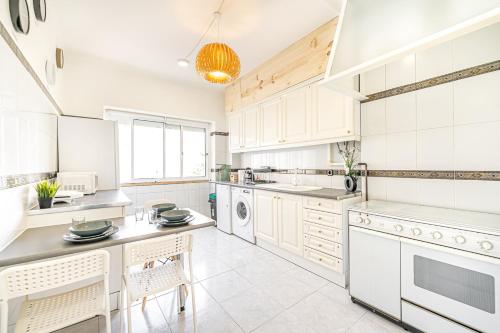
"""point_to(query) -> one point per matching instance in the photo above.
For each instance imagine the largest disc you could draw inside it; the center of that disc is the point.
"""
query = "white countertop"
(101, 199)
(455, 218)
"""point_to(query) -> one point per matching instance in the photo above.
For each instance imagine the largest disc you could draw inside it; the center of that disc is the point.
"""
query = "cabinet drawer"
(323, 245)
(324, 259)
(331, 234)
(328, 219)
(326, 205)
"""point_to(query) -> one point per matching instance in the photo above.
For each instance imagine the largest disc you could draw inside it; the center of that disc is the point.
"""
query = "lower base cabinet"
(314, 229)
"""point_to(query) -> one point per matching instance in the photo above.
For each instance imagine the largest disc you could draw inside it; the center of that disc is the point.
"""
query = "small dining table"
(47, 242)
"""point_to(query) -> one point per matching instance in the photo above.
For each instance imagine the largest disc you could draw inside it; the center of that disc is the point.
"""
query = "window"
(153, 147)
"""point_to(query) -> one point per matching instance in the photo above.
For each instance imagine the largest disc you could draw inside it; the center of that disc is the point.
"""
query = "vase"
(45, 202)
(350, 183)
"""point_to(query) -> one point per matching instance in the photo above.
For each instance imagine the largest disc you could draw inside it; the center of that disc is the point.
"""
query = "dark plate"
(166, 223)
(90, 228)
(164, 207)
(77, 239)
(175, 215)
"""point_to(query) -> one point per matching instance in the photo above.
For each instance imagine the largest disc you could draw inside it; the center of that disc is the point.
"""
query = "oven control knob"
(486, 245)
(437, 235)
(398, 227)
(460, 239)
(416, 231)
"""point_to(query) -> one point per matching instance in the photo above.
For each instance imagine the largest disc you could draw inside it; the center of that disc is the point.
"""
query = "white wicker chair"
(152, 280)
(54, 312)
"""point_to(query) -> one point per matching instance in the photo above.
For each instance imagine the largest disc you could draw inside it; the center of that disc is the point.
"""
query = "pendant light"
(215, 62)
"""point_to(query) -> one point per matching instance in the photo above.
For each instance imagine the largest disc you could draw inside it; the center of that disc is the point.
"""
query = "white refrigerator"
(87, 144)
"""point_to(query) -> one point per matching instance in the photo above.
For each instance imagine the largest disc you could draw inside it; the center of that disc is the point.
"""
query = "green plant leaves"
(46, 189)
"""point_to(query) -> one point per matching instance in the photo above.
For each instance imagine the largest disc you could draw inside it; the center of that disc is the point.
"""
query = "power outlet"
(329, 172)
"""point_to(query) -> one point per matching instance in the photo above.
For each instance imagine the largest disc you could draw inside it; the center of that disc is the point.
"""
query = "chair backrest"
(46, 275)
(149, 204)
(138, 253)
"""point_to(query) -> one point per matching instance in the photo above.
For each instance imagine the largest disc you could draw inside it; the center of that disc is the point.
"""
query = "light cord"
(216, 17)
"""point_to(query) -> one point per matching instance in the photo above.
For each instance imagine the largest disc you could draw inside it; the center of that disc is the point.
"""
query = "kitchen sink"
(289, 187)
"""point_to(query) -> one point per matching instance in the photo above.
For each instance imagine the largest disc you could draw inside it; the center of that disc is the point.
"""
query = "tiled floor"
(243, 288)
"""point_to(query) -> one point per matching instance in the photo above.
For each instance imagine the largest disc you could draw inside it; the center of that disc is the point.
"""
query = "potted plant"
(46, 192)
(348, 153)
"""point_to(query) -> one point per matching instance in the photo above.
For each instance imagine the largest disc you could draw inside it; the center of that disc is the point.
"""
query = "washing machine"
(242, 213)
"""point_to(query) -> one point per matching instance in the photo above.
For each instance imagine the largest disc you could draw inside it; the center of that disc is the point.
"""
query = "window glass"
(125, 151)
(172, 151)
(148, 149)
(194, 152)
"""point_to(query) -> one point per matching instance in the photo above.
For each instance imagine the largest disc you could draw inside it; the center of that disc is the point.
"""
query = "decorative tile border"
(417, 174)
(17, 52)
(20, 180)
(219, 133)
(446, 78)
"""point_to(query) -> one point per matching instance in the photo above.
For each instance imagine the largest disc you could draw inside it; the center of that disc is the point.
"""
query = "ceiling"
(152, 34)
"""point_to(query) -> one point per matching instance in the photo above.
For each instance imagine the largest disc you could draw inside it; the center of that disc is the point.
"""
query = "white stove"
(433, 269)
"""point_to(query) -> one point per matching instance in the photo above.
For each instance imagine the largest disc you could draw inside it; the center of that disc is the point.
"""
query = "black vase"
(45, 202)
(350, 183)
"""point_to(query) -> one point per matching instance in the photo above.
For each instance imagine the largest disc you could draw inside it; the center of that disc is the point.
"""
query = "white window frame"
(129, 116)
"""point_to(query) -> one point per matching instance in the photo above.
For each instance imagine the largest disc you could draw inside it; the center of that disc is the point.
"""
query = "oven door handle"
(434, 247)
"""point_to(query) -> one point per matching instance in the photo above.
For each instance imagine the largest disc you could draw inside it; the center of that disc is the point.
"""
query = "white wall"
(28, 139)
(40, 43)
(453, 126)
(90, 84)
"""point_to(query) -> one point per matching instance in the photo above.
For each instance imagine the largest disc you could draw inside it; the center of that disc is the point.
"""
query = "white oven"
(455, 284)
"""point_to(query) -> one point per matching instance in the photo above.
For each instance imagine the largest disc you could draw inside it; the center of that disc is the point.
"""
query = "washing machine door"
(242, 211)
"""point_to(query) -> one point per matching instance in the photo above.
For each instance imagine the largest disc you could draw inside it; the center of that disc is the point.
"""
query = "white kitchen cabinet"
(266, 226)
(332, 113)
(296, 116)
(270, 123)
(251, 127)
(235, 126)
(289, 218)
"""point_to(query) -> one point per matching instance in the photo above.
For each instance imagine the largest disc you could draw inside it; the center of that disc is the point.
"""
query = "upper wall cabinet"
(251, 127)
(235, 126)
(332, 113)
(296, 120)
(270, 124)
(303, 116)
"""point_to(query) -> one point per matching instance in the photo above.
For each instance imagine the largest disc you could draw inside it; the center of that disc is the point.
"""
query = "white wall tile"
(373, 151)
(434, 61)
(401, 189)
(377, 188)
(435, 106)
(477, 48)
(476, 195)
(476, 98)
(373, 81)
(401, 113)
(474, 146)
(373, 117)
(436, 192)
(338, 182)
(402, 151)
(400, 72)
(435, 149)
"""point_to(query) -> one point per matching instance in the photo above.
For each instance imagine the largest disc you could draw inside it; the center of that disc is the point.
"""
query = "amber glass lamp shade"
(218, 63)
